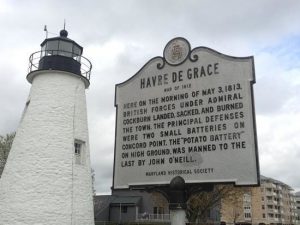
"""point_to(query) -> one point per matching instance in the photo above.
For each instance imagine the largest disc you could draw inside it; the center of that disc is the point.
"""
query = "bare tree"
(233, 204)
(200, 204)
(5, 146)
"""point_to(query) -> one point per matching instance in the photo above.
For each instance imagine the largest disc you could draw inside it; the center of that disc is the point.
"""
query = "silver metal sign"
(189, 113)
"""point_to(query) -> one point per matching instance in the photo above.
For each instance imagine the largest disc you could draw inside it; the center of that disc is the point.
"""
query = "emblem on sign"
(176, 51)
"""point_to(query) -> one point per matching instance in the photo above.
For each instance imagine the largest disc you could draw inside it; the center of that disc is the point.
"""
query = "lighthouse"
(47, 177)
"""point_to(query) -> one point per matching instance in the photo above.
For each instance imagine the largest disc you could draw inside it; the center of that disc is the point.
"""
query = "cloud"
(279, 146)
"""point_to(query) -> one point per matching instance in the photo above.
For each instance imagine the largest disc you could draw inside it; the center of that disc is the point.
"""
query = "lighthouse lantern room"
(61, 53)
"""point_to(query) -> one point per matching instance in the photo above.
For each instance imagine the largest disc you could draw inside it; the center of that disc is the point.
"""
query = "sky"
(119, 37)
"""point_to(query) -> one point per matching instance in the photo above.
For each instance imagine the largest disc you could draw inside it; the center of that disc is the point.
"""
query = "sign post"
(189, 113)
(177, 198)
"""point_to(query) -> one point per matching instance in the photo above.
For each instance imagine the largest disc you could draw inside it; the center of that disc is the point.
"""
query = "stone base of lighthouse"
(47, 178)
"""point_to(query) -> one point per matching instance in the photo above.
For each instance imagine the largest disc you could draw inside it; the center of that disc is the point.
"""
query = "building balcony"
(153, 217)
(273, 219)
(60, 60)
(270, 211)
(272, 202)
(269, 185)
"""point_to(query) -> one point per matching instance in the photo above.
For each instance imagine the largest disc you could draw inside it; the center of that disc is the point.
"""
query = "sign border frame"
(192, 58)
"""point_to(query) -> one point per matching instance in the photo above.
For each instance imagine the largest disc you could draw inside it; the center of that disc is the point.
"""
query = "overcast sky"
(119, 37)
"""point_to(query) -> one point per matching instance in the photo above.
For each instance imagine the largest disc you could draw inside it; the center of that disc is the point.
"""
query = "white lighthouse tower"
(47, 177)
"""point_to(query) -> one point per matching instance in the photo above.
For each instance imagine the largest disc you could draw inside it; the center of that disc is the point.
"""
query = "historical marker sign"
(190, 114)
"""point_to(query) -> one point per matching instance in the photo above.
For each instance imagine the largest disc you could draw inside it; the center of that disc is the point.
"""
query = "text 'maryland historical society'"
(189, 114)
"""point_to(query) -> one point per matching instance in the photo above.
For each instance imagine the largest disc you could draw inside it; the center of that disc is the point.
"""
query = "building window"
(264, 215)
(124, 209)
(263, 206)
(161, 210)
(247, 207)
(247, 215)
(77, 147)
(79, 152)
(158, 212)
(262, 198)
(247, 197)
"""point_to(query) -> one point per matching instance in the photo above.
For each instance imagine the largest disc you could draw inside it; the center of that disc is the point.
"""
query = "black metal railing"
(85, 64)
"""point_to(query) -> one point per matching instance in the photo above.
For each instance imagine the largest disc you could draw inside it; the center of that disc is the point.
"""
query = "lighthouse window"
(76, 50)
(65, 48)
(52, 47)
(77, 148)
(79, 152)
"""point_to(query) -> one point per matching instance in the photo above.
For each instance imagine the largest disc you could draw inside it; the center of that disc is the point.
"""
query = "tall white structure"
(47, 177)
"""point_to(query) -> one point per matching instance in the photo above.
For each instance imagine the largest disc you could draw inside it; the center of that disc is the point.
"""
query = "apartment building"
(297, 197)
(273, 203)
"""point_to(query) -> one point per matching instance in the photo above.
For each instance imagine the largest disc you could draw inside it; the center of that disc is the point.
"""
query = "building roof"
(126, 200)
(263, 178)
(101, 202)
